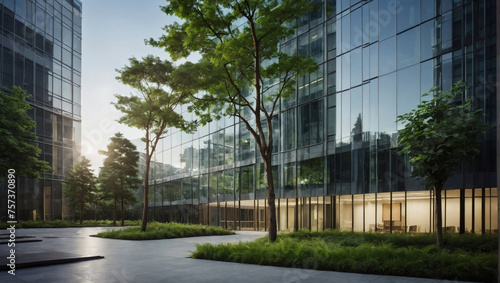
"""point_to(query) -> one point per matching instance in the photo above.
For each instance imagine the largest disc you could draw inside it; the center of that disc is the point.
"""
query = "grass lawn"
(156, 231)
(464, 257)
(67, 224)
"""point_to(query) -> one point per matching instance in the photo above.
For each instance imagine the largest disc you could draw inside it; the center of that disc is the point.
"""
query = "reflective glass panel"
(387, 56)
(408, 94)
(408, 49)
(408, 14)
(387, 104)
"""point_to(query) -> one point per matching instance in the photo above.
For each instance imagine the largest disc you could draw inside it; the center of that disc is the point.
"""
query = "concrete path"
(156, 261)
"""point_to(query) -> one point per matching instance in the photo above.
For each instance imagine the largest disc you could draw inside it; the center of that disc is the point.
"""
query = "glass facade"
(40, 50)
(335, 160)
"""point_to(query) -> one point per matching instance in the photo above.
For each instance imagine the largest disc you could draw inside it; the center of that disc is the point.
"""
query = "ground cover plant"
(464, 257)
(67, 224)
(156, 231)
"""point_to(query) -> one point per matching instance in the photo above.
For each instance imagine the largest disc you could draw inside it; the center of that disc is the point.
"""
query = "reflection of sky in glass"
(386, 19)
(374, 106)
(374, 60)
(356, 29)
(408, 86)
(366, 108)
(346, 39)
(408, 49)
(356, 108)
(346, 115)
(426, 76)
(387, 58)
(338, 119)
(356, 67)
(387, 103)
(427, 40)
(346, 73)
(409, 13)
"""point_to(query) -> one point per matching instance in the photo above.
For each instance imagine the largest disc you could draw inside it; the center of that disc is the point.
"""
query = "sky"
(112, 32)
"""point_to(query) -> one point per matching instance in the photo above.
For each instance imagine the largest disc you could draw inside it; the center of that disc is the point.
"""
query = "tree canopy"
(156, 109)
(440, 134)
(18, 147)
(119, 176)
(242, 71)
(80, 186)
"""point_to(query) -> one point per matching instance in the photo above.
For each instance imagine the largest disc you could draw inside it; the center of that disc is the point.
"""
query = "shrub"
(465, 257)
(156, 231)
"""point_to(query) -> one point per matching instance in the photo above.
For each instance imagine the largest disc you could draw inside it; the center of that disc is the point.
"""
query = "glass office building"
(40, 50)
(335, 153)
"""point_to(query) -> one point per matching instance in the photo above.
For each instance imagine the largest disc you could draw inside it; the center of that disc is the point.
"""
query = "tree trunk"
(123, 212)
(146, 192)
(438, 220)
(81, 213)
(271, 208)
(114, 213)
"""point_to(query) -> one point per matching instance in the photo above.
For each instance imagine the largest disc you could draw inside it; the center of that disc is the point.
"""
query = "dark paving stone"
(3, 237)
(19, 241)
(44, 258)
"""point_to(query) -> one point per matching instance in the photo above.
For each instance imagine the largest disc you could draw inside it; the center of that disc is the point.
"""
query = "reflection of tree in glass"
(357, 130)
(246, 180)
(311, 172)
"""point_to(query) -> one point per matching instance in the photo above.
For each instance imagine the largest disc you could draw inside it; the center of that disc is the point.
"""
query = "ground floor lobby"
(464, 211)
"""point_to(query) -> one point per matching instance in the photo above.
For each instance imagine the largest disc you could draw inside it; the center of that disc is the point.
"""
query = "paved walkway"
(155, 261)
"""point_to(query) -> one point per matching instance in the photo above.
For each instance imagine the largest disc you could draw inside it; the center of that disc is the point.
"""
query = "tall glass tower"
(40, 51)
(335, 153)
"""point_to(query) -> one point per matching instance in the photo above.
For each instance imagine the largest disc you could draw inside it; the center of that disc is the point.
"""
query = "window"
(246, 144)
(374, 102)
(67, 36)
(356, 100)
(289, 180)
(408, 48)
(316, 83)
(356, 28)
(446, 31)
(316, 44)
(356, 67)
(57, 30)
(229, 145)
(374, 60)
(204, 149)
(387, 56)
(408, 86)
(246, 182)
(408, 14)
(332, 77)
(346, 114)
(310, 129)
(8, 68)
(331, 30)
(428, 9)
(387, 18)
(346, 71)
(331, 120)
(387, 104)
(428, 46)
(366, 63)
(316, 14)
(288, 130)
(346, 38)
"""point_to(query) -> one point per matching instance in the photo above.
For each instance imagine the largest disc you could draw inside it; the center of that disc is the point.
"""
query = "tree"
(80, 184)
(154, 110)
(18, 147)
(119, 175)
(439, 135)
(242, 72)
